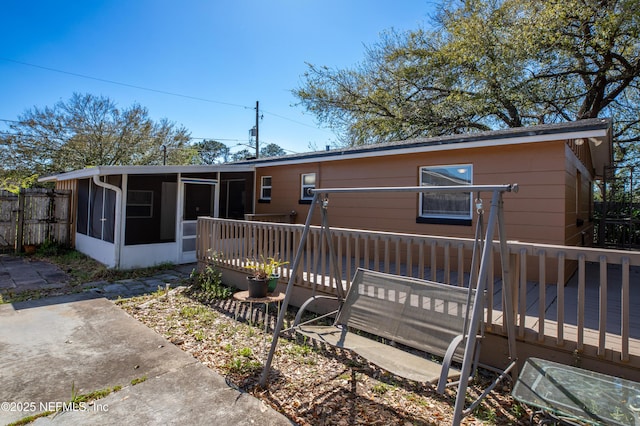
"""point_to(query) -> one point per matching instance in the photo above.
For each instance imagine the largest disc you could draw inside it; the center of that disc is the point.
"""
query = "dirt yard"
(312, 385)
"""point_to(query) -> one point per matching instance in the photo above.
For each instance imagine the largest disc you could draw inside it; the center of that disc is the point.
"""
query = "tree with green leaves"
(243, 154)
(268, 150)
(271, 150)
(489, 64)
(212, 152)
(87, 131)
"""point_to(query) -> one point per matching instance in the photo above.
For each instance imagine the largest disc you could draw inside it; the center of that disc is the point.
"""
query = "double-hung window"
(265, 188)
(446, 207)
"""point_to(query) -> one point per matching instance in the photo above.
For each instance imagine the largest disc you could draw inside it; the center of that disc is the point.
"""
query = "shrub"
(209, 281)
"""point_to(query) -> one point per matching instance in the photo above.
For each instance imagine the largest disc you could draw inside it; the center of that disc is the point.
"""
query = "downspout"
(118, 216)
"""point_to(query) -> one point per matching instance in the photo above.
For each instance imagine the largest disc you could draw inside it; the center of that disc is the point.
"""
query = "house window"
(139, 204)
(307, 183)
(446, 208)
(265, 188)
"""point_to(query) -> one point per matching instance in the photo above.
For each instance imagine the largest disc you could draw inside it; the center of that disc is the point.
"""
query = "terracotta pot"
(29, 248)
(257, 288)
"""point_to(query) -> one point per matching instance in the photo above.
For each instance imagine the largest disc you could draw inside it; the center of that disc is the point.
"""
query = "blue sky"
(228, 53)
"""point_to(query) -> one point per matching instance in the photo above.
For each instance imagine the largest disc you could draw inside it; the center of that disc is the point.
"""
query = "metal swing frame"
(479, 281)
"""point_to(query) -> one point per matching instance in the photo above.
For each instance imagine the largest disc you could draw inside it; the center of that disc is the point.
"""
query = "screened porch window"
(96, 209)
(151, 209)
(446, 208)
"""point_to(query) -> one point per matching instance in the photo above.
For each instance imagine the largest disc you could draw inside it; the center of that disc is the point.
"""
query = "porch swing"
(431, 317)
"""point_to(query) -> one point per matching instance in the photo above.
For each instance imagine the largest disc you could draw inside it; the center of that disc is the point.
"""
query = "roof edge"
(127, 170)
(580, 128)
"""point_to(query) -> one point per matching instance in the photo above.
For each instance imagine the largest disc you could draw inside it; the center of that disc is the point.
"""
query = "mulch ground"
(310, 384)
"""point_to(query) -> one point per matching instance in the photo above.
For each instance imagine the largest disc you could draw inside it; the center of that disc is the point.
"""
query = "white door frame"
(186, 228)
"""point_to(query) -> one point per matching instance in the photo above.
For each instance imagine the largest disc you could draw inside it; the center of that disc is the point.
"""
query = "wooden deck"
(591, 305)
(593, 315)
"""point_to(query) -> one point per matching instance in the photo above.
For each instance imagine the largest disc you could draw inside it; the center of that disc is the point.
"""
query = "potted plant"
(265, 275)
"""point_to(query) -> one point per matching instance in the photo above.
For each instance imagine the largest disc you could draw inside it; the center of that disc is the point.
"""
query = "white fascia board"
(585, 134)
(146, 170)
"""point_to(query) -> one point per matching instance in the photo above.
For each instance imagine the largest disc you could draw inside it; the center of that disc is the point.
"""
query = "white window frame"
(263, 187)
(149, 204)
(469, 213)
(304, 187)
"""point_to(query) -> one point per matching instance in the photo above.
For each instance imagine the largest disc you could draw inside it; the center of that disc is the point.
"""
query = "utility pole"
(257, 131)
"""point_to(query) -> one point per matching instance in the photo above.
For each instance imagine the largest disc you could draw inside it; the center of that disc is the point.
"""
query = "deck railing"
(591, 309)
(595, 304)
(272, 217)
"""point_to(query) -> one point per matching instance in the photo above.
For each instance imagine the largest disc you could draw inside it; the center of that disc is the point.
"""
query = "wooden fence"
(34, 216)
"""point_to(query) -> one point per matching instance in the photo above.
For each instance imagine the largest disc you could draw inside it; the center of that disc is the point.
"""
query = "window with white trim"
(307, 183)
(265, 188)
(447, 207)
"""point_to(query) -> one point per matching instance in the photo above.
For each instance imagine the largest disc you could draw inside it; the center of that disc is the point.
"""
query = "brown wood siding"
(535, 214)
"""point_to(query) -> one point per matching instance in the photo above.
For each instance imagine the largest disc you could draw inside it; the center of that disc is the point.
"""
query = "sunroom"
(137, 216)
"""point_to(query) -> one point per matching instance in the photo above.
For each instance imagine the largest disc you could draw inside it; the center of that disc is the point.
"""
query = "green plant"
(485, 413)
(243, 362)
(30, 419)
(50, 248)
(199, 335)
(77, 398)
(209, 280)
(380, 388)
(265, 267)
(241, 365)
(298, 350)
(191, 311)
(11, 297)
(518, 410)
(138, 380)
(246, 352)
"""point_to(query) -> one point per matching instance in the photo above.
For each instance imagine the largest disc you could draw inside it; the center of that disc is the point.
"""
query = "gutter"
(118, 216)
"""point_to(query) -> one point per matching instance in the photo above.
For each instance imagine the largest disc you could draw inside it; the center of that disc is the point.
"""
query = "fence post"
(20, 224)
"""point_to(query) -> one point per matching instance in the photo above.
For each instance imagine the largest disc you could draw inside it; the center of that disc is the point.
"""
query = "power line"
(295, 121)
(157, 91)
(78, 129)
(239, 142)
(104, 80)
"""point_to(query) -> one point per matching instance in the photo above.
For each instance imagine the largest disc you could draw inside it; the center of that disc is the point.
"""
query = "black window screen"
(83, 206)
(96, 210)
